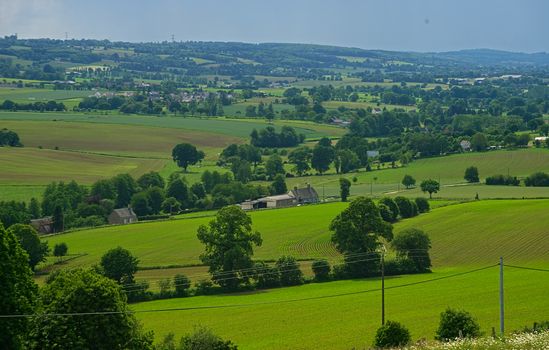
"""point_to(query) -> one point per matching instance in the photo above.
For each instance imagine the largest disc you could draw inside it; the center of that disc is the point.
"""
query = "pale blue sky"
(407, 25)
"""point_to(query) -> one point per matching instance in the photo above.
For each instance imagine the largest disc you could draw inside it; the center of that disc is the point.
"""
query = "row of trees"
(50, 106)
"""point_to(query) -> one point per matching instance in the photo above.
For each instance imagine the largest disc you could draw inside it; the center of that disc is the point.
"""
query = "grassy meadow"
(346, 314)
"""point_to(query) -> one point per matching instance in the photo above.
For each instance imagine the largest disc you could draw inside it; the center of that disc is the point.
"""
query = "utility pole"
(501, 312)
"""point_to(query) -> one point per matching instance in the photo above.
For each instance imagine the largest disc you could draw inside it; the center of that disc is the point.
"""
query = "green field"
(27, 95)
(291, 318)
(513, 228)
(448, 170)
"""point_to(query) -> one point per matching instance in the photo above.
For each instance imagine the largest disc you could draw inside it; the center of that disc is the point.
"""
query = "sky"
(401, 25)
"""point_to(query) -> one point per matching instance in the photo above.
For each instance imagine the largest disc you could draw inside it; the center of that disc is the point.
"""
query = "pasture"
(27, 95)
(512, 228)
(346, 314)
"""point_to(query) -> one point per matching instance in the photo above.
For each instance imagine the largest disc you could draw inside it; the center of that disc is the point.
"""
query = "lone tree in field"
(471, 174)
(431, 186)
(229, 241)
(120, 265)
(60, 250)
(344, 189)
(186, 154)
(408, 181)
(356, 233)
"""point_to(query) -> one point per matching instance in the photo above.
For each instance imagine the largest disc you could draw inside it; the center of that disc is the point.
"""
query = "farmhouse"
(122, 216)
(43, 225)
(294, 197)
(465, 145)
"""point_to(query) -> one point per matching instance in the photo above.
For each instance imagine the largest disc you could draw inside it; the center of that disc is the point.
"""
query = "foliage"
(322, 157)
(392, 334)
(18, 292)
(171, 205)
(82, 291)
(266, 276)
(151, 179)
(13, 212)
(413, 244)
(290, 273)
(120, 265)
(502, 180)
(431, 186)
(300, 157)
(344, 188)
(471, 174)
(321, 269)
(278, 186)
(356, 233)
(9, 138)
(457, 324)
(406, 207)
(408, 181)
(181, 284)
(185, 154)
(269, 138)
(28, 238)
(274, 166)
(422, 204)
(60, 250)
(204, 339)
(229, 241)
(538, 179)
(393, 207)
(125, 187)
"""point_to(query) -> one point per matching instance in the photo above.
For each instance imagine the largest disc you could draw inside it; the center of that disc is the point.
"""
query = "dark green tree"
(413, 244)
(456, 323)
(471, 174)
(322, 157)
(120, 265)
(178, 189)
(321, 269)
(408, 181)
(125, 187)
(356, 233)
(58, 219)
(186, 154)
(103, 189)
(60, 250)
(171, 206)
(274, 166)
(151, 179)
(85, 291)
(422, 204)
(431, 186)
(34, 208)
(28, 238)
(289, 271)
(18, 291)
(344, 188)
(155, 198)
(391, 335)
(406, 207)
(278, 186)
(479, 142)
(300, 157)
(229, 241)
(181, 284)
(140, 204)
(393, 207)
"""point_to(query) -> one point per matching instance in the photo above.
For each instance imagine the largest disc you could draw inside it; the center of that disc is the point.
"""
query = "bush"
(389, 202)
(266, 276)
(406, 207)
(455, 324)
(290, 273)
(386, 213)
(181, 284)
(422, 204)
(502, 180)
(204, 339)
(204, 287)
(138, 291)
(471, 174)
(392, 334)
(321, 269)
(537, 180)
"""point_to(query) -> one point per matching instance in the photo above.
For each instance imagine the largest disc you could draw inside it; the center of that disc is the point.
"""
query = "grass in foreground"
(311, 317)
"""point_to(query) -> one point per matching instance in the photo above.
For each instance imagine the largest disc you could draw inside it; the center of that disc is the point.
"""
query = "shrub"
(321, 269)
(391, 204)
(537, 180)
(266, 276)
(406, 207)
(138, 291)
(471, 174)
(503, 180)
(290, 273)
(165, 286)
(204, 287)
(204, 339)
(455, 324)
(422, 204)
(181, 284)
(386, 213)
(392, 334)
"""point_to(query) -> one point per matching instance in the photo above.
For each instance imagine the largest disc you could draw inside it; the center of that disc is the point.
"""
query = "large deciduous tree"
(120, 265)
(357, 231)
(186, 154)
(300, 157)
(17, 291)
(85, 291)
(28, 238)
(413, 245)
(471, 174)
(229, 240)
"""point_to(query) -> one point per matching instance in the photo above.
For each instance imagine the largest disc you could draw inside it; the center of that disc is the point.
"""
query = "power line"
(246, 304)
(525, 268)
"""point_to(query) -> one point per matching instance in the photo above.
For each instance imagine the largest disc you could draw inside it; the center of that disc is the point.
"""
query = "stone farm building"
(43, 225)
(293, 198)
(122, 216)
